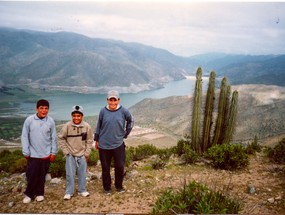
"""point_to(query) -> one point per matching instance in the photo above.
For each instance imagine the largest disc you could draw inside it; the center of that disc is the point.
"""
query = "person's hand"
(52, 158)
(97, 145)
(87, 157)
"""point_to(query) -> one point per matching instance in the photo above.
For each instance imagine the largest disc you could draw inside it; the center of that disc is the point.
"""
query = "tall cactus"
(208, 114)
(226, 117)
(232, 118)
(221, 109)
(225, 114)
(196, 112)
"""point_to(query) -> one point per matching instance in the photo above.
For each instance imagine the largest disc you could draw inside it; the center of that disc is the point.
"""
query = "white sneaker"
(84, 194)
(67, 197)
(40, 198)
(27, 200)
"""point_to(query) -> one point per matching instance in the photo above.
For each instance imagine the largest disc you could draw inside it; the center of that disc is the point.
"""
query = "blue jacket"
(112, 127)
(39, 137)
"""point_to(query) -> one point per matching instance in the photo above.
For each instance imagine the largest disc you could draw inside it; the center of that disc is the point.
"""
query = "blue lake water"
(61, 105)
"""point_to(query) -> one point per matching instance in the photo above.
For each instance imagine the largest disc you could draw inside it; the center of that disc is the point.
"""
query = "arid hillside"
(261, 112)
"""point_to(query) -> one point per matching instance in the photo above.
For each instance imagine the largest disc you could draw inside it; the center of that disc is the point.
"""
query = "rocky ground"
(144, 185)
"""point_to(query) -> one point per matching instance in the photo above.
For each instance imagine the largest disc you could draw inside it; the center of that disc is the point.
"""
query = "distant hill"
(73, 62)
(269, 72)
(217, 61)
(261, 112)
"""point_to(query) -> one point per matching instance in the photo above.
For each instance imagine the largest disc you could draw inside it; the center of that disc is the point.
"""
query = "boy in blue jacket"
(39, 146)
(114, 124)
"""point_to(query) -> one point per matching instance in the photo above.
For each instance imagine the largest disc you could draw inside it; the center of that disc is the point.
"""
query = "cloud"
(181, 27)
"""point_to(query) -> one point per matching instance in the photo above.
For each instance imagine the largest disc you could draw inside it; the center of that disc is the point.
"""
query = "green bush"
(164, 154)
(12, 162)
(189, 156)
(141, 152)
(20, 165)
(228, 156)
(158, 164)
(195, 198)
(57, 168)
(253, 147)
(93, 158)
(277, 154)
(180, 147)
(129, 156)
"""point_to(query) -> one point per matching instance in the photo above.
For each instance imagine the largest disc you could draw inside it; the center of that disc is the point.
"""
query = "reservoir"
(61, 105)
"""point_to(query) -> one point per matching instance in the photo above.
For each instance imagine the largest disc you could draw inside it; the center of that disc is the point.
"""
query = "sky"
(184, 28)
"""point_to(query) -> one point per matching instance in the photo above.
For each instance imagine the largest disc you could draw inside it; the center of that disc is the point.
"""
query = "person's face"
(113, 103)
(77, 118)
(42, 111)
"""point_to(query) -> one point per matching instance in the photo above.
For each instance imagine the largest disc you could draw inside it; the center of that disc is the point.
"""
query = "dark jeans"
(36, 176)
(106, 156)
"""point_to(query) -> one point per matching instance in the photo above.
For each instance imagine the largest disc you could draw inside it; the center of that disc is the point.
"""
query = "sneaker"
(27, 200)
(108, 192)
(40, 198)
(84, 194)
(121, 190)
(67, 197)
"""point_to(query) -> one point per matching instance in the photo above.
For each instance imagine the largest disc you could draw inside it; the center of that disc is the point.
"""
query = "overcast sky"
(182, 28)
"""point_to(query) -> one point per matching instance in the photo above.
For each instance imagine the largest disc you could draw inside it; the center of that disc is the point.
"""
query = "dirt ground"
(144, 185)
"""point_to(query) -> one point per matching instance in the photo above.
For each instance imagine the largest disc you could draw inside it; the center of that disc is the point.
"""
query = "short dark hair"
(42, 102)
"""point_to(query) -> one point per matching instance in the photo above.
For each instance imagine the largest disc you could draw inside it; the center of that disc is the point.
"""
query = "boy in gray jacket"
(75, 140)
(39, 146)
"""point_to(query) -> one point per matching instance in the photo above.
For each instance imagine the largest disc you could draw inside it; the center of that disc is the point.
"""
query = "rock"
(132, 173)
(251, 189)
(48, 177)
(90, 176)
(18, 187)
(55, 181)
(11, 204)
(270, 200)
(99, 175)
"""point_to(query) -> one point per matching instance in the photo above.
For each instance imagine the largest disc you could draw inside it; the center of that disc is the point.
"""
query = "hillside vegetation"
(261, 190)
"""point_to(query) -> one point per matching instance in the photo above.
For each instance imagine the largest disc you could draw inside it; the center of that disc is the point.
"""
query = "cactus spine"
(208, 114)
(196, 112)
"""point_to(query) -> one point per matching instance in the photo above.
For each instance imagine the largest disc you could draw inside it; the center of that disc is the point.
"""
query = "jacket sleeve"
(98, 126)
(62, 140)
(25, 138)
(54, 146)
(130, 123)
(89, 141)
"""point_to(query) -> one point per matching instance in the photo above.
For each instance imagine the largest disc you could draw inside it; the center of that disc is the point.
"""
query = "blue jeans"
(72, 163)
(106, 156)
(36, 176)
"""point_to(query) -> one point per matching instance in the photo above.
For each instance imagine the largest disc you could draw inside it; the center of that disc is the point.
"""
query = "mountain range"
(74, 62)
